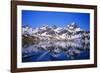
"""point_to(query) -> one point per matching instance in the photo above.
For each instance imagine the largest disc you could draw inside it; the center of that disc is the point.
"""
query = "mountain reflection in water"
(56, 51)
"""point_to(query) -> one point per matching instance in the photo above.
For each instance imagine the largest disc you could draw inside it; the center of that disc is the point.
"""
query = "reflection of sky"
(56, 51)
(60, 19)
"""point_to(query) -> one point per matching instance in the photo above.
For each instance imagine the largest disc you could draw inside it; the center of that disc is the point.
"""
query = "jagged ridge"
(72, 31)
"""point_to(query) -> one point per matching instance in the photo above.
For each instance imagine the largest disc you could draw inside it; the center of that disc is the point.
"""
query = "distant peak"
(73, 23)
(54, 26)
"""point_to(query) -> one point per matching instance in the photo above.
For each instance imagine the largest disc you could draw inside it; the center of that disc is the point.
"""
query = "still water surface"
(56, 51)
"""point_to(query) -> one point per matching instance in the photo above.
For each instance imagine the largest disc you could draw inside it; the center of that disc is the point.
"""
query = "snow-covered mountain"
(70, 32)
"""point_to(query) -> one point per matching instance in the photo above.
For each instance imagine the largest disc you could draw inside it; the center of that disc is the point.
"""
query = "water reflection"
(56, 50)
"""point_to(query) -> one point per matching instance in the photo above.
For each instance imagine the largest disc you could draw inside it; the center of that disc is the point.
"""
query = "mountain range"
(46, 32)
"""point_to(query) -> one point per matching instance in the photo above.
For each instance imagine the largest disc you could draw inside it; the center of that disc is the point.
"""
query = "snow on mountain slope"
(72, 31)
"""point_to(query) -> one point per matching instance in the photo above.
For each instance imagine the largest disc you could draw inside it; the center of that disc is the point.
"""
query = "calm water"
(56, 51)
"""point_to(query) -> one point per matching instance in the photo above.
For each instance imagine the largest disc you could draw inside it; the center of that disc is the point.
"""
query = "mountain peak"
(73, 25)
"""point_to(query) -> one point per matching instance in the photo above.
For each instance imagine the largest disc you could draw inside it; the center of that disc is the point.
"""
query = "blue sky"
(61, 19)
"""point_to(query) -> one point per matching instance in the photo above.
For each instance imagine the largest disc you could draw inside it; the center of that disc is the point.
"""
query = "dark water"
(56, 51)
